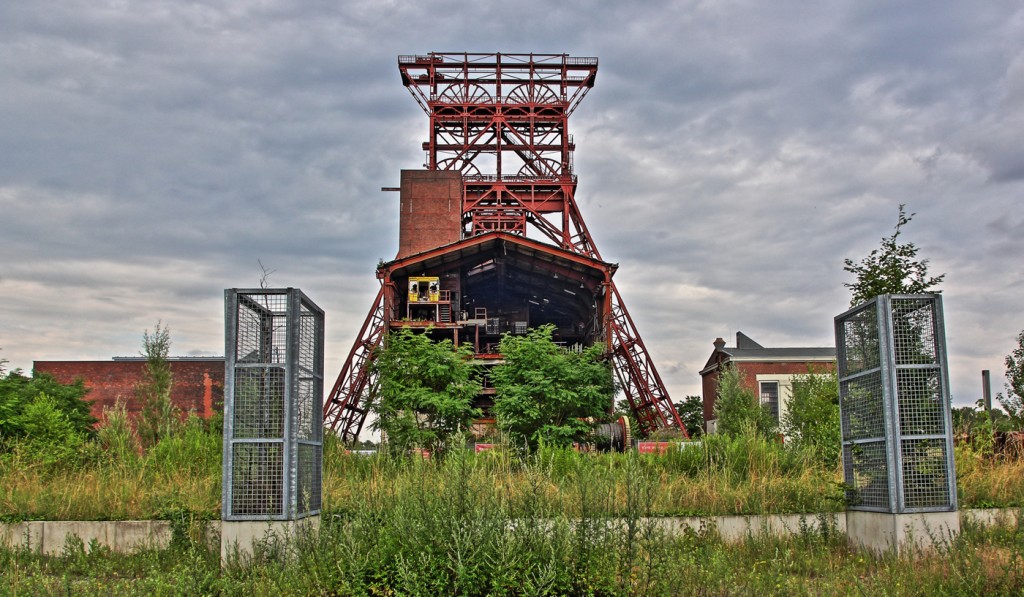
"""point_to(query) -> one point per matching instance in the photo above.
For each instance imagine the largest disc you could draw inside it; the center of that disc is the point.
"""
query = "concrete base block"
(240, 538)
(902, 533)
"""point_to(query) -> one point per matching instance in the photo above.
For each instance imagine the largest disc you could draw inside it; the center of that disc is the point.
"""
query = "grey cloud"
(730, 156)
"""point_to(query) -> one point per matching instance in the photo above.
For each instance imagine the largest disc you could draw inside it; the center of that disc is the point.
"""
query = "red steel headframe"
(502, 121)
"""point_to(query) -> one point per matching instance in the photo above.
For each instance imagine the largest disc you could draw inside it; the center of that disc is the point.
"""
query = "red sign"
(654, 447)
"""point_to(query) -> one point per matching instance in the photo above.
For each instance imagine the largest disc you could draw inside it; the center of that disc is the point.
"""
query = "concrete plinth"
(239, 538)
(903, 533)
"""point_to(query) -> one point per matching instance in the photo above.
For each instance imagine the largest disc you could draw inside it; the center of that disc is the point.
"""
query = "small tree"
(1013, 401)
(691, 412)
(159, 417)
(737, 408)
(425, 392)
(545, 392)
(18, 391)
(49, 437)
(811, 419)
(892, 268)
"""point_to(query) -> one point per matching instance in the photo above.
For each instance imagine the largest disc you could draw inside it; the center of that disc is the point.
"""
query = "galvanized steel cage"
(273, 404)
(894, 405)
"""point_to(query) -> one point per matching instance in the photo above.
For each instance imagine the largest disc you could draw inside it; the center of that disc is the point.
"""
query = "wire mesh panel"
(894, 405)
(866, 474)
(926, 478)
(257, 482)
(862, 409)
(273, 395)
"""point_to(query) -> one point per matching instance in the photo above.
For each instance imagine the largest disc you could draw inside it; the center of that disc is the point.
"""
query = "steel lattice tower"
(502, 121)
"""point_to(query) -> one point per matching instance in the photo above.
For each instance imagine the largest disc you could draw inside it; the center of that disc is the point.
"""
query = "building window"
(770, 397)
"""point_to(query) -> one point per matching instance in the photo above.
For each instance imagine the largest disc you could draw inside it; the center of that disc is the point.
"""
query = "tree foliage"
(159, 417)
(544, 392)
(737, 409)
(811, 419)
(18, 392)
(892, 268)
(691, 413)
(425, 392)
(1013, 401)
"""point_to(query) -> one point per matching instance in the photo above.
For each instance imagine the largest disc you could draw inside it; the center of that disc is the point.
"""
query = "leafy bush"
(116, 436)
(545, 392)
(425, 392)
(49, 437)
(811, 420)
(737, 408)
(192, 450)
(18, 392)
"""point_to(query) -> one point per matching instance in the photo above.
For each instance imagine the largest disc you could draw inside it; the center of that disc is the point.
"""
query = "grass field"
(501, 523)
(723, 476)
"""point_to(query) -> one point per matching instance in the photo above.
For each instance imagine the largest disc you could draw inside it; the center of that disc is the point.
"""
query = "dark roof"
(748, 350)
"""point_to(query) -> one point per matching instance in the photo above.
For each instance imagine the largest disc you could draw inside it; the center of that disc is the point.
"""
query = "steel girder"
(508, 114)
(347, 405)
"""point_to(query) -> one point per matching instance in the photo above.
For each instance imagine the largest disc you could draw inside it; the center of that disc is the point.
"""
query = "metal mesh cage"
(257, 485)
(866, 474)
(920, 402)
(858, 346)
(309, 478)
(862, 412)
(925, 476)
(913, 331)
(258, 409)
(273, 398)
(894, 405)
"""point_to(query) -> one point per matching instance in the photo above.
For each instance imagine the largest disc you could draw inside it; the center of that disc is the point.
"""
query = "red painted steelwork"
(346, 406)
(507, 115)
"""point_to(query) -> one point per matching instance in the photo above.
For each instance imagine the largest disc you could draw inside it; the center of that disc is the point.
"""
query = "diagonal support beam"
(348, 403)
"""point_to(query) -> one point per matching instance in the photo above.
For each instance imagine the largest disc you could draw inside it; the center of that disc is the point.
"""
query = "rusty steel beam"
(347, 404)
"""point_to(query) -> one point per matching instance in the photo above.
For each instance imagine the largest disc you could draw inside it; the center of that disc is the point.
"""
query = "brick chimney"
(719, 344)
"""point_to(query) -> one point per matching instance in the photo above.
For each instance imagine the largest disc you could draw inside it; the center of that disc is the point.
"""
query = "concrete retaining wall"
(49, 537)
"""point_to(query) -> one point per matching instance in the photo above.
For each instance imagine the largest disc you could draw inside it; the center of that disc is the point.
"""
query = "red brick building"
(767, 372)
(198, 382)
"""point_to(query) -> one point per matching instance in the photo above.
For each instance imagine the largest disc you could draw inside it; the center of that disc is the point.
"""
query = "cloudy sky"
(730, 156)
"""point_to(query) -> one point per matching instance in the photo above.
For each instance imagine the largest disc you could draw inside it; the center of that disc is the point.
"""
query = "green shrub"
(50, 440)
(811, 420)
(737, 408)
(193, 450)
(18, 391)
(117, 437)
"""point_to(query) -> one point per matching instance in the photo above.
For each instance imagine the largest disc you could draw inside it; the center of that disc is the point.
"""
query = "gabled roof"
(749, 351)
(558, 280)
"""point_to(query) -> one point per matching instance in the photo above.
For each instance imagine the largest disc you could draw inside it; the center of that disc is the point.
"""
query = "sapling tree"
(1013, 400)
(425, 392)
(546, 393)
(159, 417)
(893, 268)
(737, 408)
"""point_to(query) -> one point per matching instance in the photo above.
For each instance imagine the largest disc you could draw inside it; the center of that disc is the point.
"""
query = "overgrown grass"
(181, 473)
(720, 476)
(461, 541)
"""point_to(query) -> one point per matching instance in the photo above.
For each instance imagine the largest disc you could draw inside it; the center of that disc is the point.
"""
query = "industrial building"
(491, 239)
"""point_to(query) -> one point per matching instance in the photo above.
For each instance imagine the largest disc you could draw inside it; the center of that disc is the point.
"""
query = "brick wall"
(431, 210)
(750, 371)
(198, 383)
